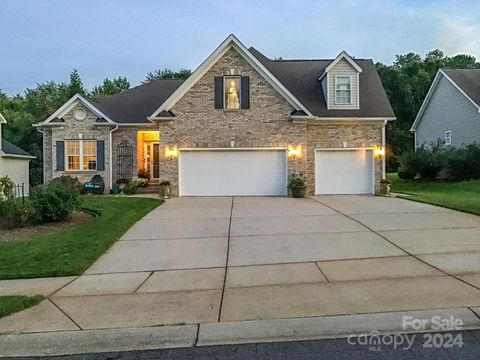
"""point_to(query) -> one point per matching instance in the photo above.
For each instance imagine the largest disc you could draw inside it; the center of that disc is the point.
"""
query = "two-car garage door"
(237, 172)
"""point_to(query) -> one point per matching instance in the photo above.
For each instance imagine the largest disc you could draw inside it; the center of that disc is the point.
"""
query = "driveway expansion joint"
(226, 261)
(64, 313)
(399, 247)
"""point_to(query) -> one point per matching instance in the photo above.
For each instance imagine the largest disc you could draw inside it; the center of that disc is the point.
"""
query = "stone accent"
(333, 135)
(126, 136)
(47, 155)
(71, 130)
(198, 124)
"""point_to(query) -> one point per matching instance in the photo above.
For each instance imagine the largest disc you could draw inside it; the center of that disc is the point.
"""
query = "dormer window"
(343, 90)
(232, 92)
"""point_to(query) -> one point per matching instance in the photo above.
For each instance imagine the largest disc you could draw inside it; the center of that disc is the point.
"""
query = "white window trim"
(225, 77)
(448, 137)
(80, 154)
(335, 89)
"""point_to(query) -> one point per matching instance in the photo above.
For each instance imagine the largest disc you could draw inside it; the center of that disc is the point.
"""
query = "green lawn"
(459, 195)
(71, 251)
(11, 304)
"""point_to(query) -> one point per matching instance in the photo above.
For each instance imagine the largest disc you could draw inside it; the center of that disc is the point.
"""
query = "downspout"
(43, 145)
(111, 156)
(385, 151)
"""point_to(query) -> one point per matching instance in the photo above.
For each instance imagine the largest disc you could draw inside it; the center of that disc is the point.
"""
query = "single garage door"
(239, 172)
(344, 171)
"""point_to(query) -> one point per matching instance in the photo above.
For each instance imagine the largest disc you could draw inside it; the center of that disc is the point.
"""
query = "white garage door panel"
(344, 171)
(232, 172)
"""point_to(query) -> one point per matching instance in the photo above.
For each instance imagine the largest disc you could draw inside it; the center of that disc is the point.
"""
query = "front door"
(151, 159)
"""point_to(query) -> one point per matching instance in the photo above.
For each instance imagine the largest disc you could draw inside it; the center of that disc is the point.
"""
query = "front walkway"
(205, 260)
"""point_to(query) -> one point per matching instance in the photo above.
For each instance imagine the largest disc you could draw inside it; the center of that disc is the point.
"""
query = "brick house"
(239, 125)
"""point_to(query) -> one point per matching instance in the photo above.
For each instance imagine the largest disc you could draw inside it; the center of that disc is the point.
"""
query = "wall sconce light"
(171, 152)
(379, 152)
(294, 151)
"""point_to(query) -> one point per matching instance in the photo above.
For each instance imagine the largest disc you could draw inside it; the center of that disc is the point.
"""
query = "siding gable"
(343, 67)
(448, 109)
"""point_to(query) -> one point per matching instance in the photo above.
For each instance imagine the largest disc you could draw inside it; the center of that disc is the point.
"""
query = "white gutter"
(385, 151)
(111, 156)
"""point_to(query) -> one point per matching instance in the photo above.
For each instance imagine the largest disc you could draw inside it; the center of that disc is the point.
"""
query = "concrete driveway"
(203, 260)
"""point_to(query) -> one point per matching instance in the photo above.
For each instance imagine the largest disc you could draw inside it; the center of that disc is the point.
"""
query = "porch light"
(171, 152)
(379, 152)
(294, 151)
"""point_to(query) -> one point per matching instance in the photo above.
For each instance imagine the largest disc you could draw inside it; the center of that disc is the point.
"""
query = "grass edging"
(10, 304)
(72, 251)
(461, 196)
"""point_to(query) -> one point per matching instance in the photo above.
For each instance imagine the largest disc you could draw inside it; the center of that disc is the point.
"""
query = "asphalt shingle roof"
(468, 80)
(11, 149)
(136, 104)
(301, 78)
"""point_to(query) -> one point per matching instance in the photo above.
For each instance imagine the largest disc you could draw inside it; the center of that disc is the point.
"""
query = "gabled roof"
(2, 119)
(342, 55)
(301, 78)
(467, 81)
(89, 103)
(230, 42)
(10, 149)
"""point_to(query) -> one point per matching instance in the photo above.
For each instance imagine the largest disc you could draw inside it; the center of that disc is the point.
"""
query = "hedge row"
(434, 162)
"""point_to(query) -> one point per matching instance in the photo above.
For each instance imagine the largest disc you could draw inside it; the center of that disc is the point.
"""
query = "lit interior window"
(232, 92)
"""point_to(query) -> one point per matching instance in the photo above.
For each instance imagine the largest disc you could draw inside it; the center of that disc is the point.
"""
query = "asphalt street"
(455, 345)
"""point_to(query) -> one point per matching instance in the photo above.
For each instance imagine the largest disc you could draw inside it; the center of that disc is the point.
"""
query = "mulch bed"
(77, 217)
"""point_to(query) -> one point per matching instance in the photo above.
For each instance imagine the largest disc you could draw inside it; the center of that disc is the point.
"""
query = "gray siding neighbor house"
(450, 113)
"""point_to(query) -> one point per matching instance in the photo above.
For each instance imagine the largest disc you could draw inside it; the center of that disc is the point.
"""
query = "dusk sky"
(42, 40)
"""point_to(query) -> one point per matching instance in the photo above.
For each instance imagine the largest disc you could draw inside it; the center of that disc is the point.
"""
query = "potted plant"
(164, 189)
(297, 185)
(385, 186)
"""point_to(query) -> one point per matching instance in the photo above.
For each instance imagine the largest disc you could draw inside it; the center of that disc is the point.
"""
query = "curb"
(242, 332)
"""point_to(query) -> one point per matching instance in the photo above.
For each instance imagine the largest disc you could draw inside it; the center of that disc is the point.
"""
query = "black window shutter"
(245, 92)
(218, 92)
(100, 155)
(60, 155)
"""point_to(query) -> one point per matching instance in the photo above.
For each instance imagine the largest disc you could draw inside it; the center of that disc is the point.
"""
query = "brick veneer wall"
(333, 135)
(198, 124)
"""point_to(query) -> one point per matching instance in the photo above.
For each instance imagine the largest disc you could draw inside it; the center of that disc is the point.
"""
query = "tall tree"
(167, 74)
(76, 85)
(110, 87)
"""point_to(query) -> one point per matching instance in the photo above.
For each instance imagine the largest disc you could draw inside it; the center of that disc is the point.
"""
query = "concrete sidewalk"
(226, 260)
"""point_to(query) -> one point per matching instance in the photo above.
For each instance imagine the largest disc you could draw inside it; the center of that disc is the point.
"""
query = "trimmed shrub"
(426, 162)
(463, 163)
(130, 188)
(15, 213)
(54, 202)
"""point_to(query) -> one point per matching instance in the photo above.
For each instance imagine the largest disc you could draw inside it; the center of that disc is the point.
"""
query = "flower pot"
(298, 192)
(384, 189)
(164, 191)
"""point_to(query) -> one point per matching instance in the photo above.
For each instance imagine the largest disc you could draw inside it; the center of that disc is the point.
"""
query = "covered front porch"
(148, 155)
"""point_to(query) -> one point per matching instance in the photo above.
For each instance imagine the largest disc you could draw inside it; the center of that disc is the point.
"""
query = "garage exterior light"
(379, 152)
(171, 152)
(294, 151)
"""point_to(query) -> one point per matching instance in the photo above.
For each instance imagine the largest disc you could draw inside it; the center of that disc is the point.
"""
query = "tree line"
(406, 83)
